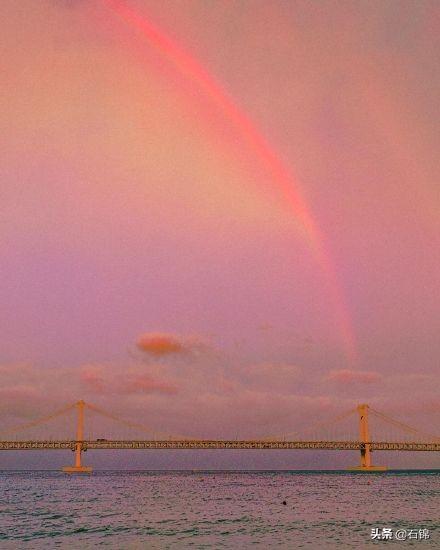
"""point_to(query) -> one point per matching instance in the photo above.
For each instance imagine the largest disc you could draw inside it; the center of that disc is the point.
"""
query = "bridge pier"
(78, 468)
(364, 437)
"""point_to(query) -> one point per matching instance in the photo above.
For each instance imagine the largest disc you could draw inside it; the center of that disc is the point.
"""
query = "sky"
(152, 259)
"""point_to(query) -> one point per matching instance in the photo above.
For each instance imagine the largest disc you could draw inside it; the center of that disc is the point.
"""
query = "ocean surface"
(127, 510)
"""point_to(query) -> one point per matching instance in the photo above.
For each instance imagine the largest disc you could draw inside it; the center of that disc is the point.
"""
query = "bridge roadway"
(218, 444)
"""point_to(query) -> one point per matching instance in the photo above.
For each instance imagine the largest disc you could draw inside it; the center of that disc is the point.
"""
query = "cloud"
(17, 396)
(122, 380)
(158, 344)
(265, 327)
(347, 376)
(93, 379)
(147, 384)
(29, 392)
(212, 397)
(276, 377)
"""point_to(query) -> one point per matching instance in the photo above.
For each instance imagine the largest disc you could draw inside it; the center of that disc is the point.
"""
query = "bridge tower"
(78, 468)
(365, 439)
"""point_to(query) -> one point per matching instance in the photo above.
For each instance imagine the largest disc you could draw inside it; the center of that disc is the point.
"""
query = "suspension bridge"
(363, 442)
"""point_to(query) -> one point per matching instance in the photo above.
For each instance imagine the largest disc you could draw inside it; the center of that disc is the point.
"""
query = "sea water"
(216, 509)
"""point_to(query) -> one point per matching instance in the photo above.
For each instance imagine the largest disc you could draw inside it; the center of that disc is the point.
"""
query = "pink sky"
(132, 207)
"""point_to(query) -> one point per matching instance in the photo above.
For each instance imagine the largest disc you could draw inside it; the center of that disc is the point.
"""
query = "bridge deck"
(219, 444)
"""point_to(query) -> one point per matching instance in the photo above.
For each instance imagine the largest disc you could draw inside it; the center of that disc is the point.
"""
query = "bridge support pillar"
(78, 468)
(364, 437)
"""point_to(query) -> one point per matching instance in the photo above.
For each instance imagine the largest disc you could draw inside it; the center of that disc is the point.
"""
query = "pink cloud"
(164, 344)
(277, 377)
(122, 380)
(212, 397)
(158, 344)
(146, 384)
(92, 379)
(347, 376)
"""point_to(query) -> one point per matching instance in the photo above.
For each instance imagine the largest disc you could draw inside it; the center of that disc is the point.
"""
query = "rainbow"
(189, 67)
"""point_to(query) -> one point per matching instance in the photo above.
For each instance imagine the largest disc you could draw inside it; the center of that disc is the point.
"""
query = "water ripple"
(219, 510)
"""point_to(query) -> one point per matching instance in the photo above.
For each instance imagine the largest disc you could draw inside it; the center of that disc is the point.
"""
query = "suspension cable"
(133, 425)
(41, 420)
(402, 425)
(318, 425)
